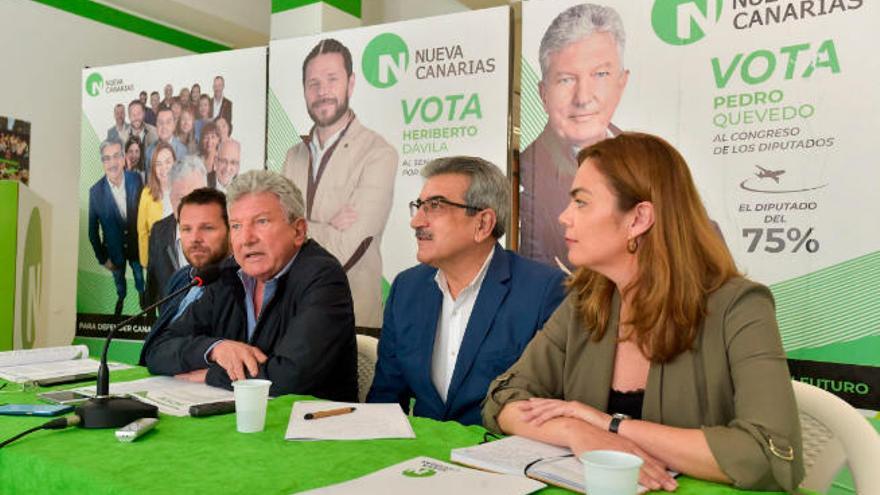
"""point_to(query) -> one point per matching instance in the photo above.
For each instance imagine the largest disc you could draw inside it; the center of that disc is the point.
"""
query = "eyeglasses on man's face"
(114, 156)
(436, 205)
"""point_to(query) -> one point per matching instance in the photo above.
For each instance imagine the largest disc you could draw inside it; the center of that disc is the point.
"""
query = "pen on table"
(329, 412)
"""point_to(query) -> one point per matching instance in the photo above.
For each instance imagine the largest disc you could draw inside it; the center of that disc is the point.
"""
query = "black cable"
(55, 424)
(542, 459)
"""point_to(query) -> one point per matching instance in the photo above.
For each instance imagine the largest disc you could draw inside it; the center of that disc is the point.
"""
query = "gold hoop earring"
(632, 245)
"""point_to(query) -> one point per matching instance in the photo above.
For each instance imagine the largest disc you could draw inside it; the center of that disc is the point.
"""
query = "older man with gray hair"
(281, 311)
(582, 81)
(463, 316)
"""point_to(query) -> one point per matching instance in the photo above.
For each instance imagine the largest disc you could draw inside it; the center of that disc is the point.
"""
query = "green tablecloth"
(207, 455)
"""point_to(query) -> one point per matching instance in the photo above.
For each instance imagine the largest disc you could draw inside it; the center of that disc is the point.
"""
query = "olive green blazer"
(734, 383)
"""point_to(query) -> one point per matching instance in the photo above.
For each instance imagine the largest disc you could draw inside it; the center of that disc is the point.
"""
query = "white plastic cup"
(609, 472)
(251, 396)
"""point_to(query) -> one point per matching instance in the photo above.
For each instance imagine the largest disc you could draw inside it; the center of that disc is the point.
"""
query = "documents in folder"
(427, 476)
(50, 365)
(171, 396)
(366, 422)
(525, 457)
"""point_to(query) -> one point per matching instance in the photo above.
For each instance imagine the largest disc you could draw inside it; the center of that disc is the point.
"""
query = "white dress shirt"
(318, 150)
(454, 317)
(119, 196)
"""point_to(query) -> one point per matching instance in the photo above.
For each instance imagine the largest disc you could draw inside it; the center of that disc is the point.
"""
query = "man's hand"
(344, 218)
(235, 356)
(109, 265)
(197, 376)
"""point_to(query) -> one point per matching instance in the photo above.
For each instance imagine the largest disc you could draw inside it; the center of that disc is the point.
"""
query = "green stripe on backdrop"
(281, 134)
(840, 303)
(352, 7)
(8, 249)
(133, 24)
(122, 351)
(532, 116)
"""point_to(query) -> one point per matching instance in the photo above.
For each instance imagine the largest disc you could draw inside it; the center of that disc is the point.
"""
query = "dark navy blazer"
(517, 296)
(119, 241)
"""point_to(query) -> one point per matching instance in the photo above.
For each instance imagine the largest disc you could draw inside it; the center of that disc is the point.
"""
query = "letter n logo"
(682, 22)
(385, 60)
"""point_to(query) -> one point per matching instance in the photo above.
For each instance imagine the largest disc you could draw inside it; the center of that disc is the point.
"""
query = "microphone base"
(113, 412)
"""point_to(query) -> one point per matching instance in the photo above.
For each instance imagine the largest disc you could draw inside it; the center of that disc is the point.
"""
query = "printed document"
(427, 476)
(367, 422)
(171, 396)
(50, 364)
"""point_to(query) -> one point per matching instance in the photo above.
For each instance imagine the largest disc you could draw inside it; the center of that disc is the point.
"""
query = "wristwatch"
(616, 418)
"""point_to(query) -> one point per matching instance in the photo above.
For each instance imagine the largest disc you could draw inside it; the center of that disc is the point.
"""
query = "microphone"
(104, 411)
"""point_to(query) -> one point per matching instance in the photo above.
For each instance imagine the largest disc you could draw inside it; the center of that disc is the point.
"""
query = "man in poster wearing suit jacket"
(347, 172)
(462, 317)
(582, 81)
(113, 206)
(221, 106)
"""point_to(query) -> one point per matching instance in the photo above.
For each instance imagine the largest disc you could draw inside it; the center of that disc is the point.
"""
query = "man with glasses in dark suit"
(113, 206)
(463, 316)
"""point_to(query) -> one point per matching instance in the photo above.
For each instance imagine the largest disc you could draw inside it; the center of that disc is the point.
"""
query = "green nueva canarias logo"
(682, 22)
(422, 472)
(94, 83)
(385, 60)
(32, 280)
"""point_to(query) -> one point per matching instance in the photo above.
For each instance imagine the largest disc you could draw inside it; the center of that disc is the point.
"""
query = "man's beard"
(341, 110)
(215, 258)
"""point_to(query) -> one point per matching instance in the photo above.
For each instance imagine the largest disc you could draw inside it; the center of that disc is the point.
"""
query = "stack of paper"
(170, 395)
(53, 364)
(426, 476)
(368, 421)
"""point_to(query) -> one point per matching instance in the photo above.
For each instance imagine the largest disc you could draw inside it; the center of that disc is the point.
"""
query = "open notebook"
(524, 457)
(50, 365)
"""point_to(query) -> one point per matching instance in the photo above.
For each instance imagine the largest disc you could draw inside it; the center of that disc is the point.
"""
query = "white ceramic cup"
(609, 472)
(251, 396)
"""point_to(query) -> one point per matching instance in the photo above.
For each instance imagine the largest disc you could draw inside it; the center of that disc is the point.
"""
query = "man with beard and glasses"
(113, 207)
(347, 172)
(465, 314)
(204, 238)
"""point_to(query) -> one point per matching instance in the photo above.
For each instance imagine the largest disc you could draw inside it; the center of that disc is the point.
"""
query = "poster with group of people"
(15, 150)
(354, 115)
(151, 133)
(768, 102)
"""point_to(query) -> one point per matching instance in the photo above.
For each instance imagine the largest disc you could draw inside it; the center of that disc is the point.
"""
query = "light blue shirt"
(250, 285)
(192, 296)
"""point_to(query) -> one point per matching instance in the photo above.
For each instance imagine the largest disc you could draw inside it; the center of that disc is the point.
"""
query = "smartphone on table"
(35, 409)
(64, 397)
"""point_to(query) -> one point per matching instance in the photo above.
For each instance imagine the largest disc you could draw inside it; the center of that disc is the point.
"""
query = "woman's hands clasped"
(595, 436)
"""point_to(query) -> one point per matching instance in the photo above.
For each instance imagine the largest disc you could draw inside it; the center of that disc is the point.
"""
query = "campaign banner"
(770, 102)
(203, 111)
(354, 115)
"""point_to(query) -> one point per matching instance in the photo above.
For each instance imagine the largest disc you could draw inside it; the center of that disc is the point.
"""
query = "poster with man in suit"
(347, 173)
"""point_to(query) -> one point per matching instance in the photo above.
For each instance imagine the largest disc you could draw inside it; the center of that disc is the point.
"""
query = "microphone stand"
(105, 411)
